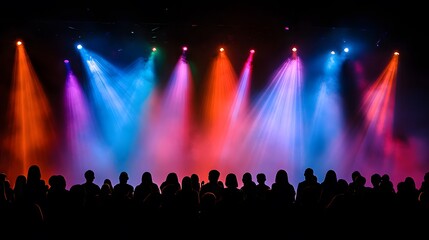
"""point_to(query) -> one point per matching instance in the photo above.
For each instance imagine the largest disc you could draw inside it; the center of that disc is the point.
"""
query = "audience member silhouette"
(328, 188)
(123, 197)
(86, 201)
(58, 205)
(249, 191)
(17, 212)
(6, 201)
(424, 193)
(36, 187)
(425, 183)
(188, 201)
(209, 213)
(282, 195)
(386, 184)
(337, 212)
(31, 213)
(262, 193)
(123, 192)
(214, 185)
(6, 191)
(147, 197)
(106, 212)
(91, 190)
(168, 193)
(19, 189)
(374, 193)
(147, 192)
(105, 199)
(308, 191)
(232, 197)
(359, 196)
(196, 182)
(352, 183)
(108, 183)
(408, 196)
(340, 203)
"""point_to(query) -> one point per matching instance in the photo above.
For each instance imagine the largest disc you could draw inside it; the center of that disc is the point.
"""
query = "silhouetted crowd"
(332, 207)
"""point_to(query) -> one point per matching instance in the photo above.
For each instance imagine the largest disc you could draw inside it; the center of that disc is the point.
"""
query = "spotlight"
(294, 49)
(252, 51)
(154, 49)
(332, 52)
(221, 49)
(66, 61)
(185, 48)
(396, 53)
(18, 43)
(346, 50)
(79, 46)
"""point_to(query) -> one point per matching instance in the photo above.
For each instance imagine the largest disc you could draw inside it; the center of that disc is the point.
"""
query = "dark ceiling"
(391, 24)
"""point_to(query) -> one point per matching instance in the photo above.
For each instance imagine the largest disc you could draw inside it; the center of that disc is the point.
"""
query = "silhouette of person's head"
(214, 176)
(426, 177)
(247, 178)
(261, 178)
(208, 201)
(195, 181)
(330, 177)
(108, 183)
(123, 177)
(186, 183)
(308, 173)
(172, 178)
(105, 190)
(34, 173)
(375, 179)
(89, 176)
(282, 177)
(2, 177)
(231, 181)
(355, 175)
(147, 178)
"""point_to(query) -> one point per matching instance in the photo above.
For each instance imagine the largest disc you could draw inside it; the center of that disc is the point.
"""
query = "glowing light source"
(333, 52)
(221, 49)
(79, 46)
(66, 61)
(294, 49)
(396, 53)
(18, 43)
(154, 49)
(185, 48)
(252, 51)
(346, 49)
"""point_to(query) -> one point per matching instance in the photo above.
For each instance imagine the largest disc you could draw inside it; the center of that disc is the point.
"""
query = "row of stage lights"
(185, 48)
(294, 49)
